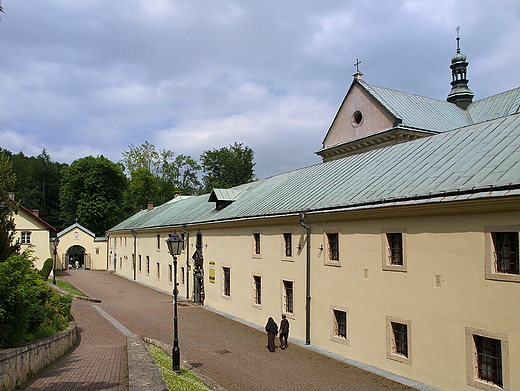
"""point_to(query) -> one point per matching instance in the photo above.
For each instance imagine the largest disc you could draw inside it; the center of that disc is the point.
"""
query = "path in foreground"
(98, 362)
(227, 351)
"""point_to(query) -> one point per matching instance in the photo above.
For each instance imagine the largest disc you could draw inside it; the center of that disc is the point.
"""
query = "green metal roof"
(480, 160)
(495, 106)
(419, 112)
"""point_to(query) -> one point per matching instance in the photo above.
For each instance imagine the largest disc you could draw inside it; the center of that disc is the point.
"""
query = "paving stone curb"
(143, 372)
(76, 297)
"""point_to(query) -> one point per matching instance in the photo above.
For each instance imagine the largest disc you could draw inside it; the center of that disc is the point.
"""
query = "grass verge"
(69, 288)
(184, 381)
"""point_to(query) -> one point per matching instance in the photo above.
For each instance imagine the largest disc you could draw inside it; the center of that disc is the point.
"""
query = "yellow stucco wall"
(443, 244)
(40, 236)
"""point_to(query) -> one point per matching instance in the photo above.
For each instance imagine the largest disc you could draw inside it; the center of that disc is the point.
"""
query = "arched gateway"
(79, 244)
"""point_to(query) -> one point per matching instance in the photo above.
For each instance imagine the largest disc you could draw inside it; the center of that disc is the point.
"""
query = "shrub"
(29, 308)
(47, 268)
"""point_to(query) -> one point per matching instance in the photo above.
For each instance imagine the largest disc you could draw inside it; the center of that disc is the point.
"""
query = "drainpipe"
(308, 291)
(108, 248)
(187, 249)
(135, 249)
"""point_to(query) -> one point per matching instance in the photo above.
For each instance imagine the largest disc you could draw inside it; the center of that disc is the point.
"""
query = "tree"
(227, 167)
(7, 210)
(92, 190)
(37, 184)
(156, 175)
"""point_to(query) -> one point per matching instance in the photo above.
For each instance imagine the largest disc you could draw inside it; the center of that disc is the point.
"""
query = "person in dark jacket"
(272, 329)
(284, 332)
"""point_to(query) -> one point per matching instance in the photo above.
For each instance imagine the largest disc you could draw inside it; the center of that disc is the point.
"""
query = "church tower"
(460, 93)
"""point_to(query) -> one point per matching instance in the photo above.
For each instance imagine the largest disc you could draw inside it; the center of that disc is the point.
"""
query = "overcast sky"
(90, 77)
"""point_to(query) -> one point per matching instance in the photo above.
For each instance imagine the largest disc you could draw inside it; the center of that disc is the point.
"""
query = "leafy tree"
(227, 167)
(155, 175)
(7, 210)
(92, 190)
(37, 184)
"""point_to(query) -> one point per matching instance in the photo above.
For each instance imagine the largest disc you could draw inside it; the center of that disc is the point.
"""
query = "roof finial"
(357, 64)
(358, 75)
(458, 39)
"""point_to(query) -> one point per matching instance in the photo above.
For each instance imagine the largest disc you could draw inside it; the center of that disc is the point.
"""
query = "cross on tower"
(357, 64)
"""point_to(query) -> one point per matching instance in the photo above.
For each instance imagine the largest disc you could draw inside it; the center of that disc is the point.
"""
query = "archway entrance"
(77, 258)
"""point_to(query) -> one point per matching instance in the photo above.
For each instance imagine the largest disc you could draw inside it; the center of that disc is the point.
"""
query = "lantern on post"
(175, 246)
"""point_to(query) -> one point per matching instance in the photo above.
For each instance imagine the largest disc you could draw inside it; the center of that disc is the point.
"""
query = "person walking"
(284, 332)
(272, 329)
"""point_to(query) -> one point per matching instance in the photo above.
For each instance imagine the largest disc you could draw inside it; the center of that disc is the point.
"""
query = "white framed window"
(399, 339)
(170, 274)
(140, 264)
(287, 246)
(182, 276)
(25, 237)
(487, 359)
(257, 244)
(339, 330)
(332, 248)
(287, 286)
(97, 250)
(158, 271)
(394, 249)
(147, 265)
(501, 246)
(226, 282)
(257, 290)
(158, 248)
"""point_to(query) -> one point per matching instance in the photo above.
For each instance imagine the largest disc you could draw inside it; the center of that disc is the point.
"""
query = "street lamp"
(55, 241)
(175, 245)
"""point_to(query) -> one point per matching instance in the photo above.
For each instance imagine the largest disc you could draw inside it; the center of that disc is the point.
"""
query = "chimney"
(11, 195)
(150, 206)
(36, 212)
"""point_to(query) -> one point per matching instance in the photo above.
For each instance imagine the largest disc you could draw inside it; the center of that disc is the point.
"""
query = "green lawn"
(184, 381)
(67, 287)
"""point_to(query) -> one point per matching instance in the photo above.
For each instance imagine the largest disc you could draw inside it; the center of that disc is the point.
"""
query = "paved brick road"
(98, 362)
(229, 352)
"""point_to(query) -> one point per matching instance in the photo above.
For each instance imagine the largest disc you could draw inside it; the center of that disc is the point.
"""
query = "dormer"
(223, 197)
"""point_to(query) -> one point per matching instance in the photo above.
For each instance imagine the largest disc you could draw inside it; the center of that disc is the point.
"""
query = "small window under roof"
(223, 197)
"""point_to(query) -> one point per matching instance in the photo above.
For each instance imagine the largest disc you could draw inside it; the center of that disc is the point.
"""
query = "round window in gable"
(357, 118)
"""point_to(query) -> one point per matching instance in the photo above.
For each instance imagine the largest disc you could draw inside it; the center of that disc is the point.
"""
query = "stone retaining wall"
(17, 364)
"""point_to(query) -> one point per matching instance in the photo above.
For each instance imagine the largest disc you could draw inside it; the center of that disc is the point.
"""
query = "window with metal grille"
(400, 332)
(506, 252)
(26, 238)
(140, 265)
(288, 297)
(287, 238)
(340, 324)
(489, 359)
(333, 239)
(226, 281)
(170, 273)
(256, 237)
(147, 264)
(158, 270)
(395, 248)
(257, 281)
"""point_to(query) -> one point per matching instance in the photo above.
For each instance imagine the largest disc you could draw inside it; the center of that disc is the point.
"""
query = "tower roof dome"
(459, 57)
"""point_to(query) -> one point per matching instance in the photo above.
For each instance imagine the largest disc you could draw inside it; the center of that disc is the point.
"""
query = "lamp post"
(175, 246)
(55, 241)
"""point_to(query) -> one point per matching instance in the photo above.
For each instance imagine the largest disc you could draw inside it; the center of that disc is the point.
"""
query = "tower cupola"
(460, 93)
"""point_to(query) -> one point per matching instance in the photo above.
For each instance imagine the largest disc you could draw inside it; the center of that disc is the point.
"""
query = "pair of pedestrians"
(272, 330)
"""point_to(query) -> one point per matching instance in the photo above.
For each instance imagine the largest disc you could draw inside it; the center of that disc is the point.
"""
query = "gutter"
(187, 249)
(308, 280)
(135, 249)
